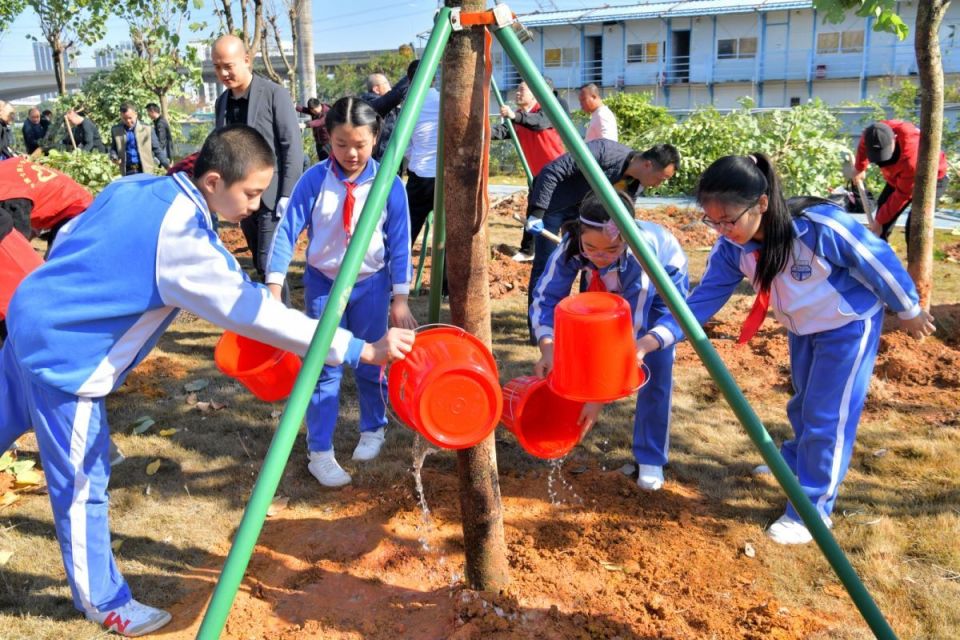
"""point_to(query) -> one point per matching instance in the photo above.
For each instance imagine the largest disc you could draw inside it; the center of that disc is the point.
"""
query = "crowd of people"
(827, 278)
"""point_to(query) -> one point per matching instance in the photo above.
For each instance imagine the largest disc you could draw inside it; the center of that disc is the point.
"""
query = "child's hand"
(276, 290)
(400, 315)
(394, 345)
(545, 365)
(589, 414)
(646, 344)
(920, 326)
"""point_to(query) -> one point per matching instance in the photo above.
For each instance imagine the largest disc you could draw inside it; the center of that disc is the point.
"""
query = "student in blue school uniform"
(592, 243)
(114, 301)
(828, 279)
(327, 202)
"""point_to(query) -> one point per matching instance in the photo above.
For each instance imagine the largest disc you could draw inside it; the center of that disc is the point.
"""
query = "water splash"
(426, 528)
(554, 487)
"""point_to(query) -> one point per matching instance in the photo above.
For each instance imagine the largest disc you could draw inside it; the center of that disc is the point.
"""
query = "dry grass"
(898, 515)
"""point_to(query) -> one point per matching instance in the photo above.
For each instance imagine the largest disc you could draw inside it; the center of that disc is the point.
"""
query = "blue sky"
(355, 25)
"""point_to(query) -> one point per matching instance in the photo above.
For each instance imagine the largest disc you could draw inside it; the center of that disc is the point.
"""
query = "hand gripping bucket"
(447, 388)
(268, 372)
(544, 423)
(594, 353)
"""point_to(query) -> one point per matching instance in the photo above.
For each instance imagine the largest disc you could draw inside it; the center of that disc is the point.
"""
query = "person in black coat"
(33, 130)
(386, 102)
(85, 134)
(162, 128)
(7, 114)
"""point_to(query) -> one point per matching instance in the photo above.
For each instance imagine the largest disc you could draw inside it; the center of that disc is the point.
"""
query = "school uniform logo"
(801, 270)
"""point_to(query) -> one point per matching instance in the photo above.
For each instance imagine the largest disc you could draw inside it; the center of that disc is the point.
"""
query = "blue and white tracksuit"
(317, 205)
(625, 277)
(830, 297)
(83, 320)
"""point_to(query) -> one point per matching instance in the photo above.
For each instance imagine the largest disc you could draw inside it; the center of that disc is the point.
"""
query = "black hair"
(412, 69)
(354, 112)
(46, 112)
(740, 181)
(153, 106)
(313, 103)
(234, 152)
(591, 208)
(663, 155)
(127, 106)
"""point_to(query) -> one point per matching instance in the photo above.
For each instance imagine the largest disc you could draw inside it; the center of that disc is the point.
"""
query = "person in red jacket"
(892, 145)
(540, 142)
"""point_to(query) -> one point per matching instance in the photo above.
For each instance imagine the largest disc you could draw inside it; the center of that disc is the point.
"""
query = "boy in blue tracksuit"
(113, 302)
(828, 279)
(327, 201)
(592, 243)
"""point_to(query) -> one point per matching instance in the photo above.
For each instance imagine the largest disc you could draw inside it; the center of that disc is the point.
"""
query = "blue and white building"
(694, 52)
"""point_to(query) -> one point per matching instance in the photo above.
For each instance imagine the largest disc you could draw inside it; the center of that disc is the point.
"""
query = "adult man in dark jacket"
(560, 186)
(33, 130)
(385, 101)
(86, 137)
(7, 114)
(134, 144)
(162, 128)
(265, 106)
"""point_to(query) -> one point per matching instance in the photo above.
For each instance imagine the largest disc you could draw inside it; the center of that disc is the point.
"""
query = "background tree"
(250, 27)
(350, 79)
(306, 64)
(67, 24)
(272, 33)
(166, 67)
(930, 72)
(9, 10)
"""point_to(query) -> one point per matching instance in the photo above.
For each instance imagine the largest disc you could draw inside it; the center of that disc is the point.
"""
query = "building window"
(730, 48)
(840, 42)
(643, 52)
(561, 57)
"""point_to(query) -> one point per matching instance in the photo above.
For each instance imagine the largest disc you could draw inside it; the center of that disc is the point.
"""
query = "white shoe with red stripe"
(132, 619)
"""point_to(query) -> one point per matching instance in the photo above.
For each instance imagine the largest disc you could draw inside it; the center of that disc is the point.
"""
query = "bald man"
(257, 102)
(603, 124)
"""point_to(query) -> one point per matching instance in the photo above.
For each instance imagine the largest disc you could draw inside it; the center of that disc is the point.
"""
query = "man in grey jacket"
(267, 107)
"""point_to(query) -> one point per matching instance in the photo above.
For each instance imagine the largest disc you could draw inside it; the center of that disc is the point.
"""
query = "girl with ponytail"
(827, 279)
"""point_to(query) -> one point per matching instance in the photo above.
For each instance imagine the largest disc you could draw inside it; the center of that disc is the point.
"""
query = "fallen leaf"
(627, 469)
(216, 406)
(203, 407)
(143, 425)
(277, 505)
(609, 566)
(579, 470)
(879, 453)
(8, 499)
(749, 551)
(196, 385)
(191, 398)
(21, 466)
(5, 556)
(166, 433)
(153, 467)
(115, 545)
(6, 460)
(276, 413)
(29, 477)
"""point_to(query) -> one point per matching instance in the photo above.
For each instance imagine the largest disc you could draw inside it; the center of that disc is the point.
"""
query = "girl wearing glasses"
(828, 279)
(592, 243)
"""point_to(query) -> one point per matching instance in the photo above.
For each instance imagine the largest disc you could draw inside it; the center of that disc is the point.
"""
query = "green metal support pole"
(513, 135)
(286, 434)
(438, 252)
(694, 332)
(418, 280)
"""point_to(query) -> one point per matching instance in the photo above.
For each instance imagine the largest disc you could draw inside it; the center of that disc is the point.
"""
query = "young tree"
(65, 25)
(165, 67)
(930, 70)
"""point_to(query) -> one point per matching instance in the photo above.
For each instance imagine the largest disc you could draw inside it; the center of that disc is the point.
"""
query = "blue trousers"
(542, 248)
(365, 316)
(74, 441)
(831, 374)
(651, 421)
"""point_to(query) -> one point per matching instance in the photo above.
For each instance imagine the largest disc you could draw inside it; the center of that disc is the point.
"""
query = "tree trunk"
(464, 120)
(306, 70)
(59, 68)
(930, 68)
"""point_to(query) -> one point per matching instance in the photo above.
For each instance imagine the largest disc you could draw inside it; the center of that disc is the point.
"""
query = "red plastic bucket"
(447, 388)
(544, 423)
(268, 372)
(17, 260)
(594, 353)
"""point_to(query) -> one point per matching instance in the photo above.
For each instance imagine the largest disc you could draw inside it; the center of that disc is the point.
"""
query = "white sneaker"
(520, 256)
(650, 477)
(761, 470)
(132, 619)
(786, 530)
(369, 446)
(325, 468)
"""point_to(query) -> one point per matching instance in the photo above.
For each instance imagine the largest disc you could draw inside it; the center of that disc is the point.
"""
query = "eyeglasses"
(726, 225)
